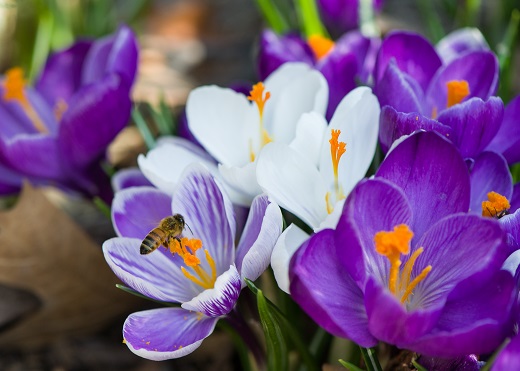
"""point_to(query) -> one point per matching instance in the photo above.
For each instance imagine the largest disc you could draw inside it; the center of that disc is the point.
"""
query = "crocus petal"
(399, 90)
(222, 121)
(460, 41)
(288, 242)
(219, 300)
(156, 275)
(510, 355)
(138, 210)
(276, 50)
(295, 89)
(515, 198)
(326, 292)
(511, 224)
(507, 139)
(413, 53)
(340, 15)
(309, 136)
(474, 124)
(489, 173)
(241, 183)
(129, 177)
(149, 333)
(433, 176)
(393, 125)
(96, 114)
(10, 181)
(475, 323)
(208, 212)
(292, 182)
(263, 227)
(464, 363)
(34, 155)
(61, 75)
(116, 53)
(164, 164)
(479, 69)
(357, 227)
(357, 117)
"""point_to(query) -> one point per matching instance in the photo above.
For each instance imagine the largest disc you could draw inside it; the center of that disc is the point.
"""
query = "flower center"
(457, 91)
(257, 96)
(187, 250)
(14, 85)
(496, 206)
(337, 149)
(320, 45)
(392, 244)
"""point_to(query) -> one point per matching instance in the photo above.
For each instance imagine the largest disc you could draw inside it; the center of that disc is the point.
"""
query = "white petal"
(357, 116)
(512, 262)
(241, 181)
(223, 121)
(295, 89)
(292, 182)
(309, 136)
(164, 164)
(331, 221)
(290, 240)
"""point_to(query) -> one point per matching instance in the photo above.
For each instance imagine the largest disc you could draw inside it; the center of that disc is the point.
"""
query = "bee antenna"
(189, 228)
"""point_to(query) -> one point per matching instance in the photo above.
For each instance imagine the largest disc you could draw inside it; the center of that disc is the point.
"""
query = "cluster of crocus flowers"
(57, 132)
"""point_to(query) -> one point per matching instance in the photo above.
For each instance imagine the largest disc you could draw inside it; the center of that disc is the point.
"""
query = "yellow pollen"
(257, 95)
(392, 244)
(186, 248)
(14, 85)
(330, 206)
(496, 205)
(457, 91)
(337, 149)
(320, 45)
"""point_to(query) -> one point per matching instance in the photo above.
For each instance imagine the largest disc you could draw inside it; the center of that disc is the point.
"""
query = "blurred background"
(183, 44)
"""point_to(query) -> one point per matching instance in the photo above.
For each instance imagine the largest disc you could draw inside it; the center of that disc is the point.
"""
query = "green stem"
(370, 358)
(273, 16)
(310, 18)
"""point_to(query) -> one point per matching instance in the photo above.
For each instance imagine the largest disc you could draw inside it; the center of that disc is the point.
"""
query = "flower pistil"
(392, 244)
(337, 150)
(257, 95)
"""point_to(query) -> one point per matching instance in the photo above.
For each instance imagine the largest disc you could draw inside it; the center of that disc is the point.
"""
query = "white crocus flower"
(312, 175)
(234, 128)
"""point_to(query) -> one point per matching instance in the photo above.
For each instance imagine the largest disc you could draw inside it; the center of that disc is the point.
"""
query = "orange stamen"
(495, 206)
(457, 91)
(257, 95)
(320, 45)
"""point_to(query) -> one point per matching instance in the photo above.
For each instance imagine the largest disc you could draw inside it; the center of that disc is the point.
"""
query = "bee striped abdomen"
(153, 240)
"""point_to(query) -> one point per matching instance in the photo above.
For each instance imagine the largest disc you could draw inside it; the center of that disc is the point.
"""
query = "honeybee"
(168, 228)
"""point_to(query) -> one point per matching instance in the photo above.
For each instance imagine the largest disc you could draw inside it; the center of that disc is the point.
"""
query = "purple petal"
(326, 292)
(356, 228)
(414, 55)
(34, 155)
(464, 363)
(166, 333)
(96, 114)
(10, 181)
(459, 42)
(393, 125)
(130, 177)
(433, 176)
(474, 124)
(509, 356)
(157, 275)
(515, 198)
(339, 15)
(399, 90)
(112, 54)
(219, 300)
(138, 210)
(507, 139)
(456, 247)
(489, 173)
(276, 50)
(263, 227)
(477, 322)
(511, 224)
(208, 212)
(61, 75)
(479, 69)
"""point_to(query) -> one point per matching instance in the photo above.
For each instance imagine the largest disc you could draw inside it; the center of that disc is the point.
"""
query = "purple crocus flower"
(205, 280)
(344, 64)
(340, 16)
(448, 298)
(58, 131)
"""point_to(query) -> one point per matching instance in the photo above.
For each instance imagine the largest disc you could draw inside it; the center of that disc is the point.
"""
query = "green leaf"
(505, 54)
(418, 366)
(310, 18)
(276, 347)
(143, 128)
(102, 206)
(370, 358)
(494, 356)
(349, 366)
(273, 16)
